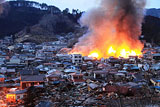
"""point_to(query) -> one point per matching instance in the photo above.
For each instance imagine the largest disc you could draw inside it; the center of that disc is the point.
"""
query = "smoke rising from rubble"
(115, 23)
(1, 6)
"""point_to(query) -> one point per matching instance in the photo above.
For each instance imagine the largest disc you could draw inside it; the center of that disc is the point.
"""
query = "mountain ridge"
(21, 18)
(153, 12)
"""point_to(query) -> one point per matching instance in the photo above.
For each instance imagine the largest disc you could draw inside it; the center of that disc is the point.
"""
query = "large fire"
(121, 52)
(116, 50)
(113, 30)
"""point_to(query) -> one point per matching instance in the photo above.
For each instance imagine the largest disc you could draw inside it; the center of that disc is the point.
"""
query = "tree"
(44, 6)
(66, 11)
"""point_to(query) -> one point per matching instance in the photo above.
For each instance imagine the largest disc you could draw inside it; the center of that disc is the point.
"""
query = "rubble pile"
(42, 74)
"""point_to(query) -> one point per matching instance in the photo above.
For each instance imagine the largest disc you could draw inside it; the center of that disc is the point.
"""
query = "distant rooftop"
(35, 78)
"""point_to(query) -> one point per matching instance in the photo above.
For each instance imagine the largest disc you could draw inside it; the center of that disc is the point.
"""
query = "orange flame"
(124, 49)
(116, 53)
(94, 55)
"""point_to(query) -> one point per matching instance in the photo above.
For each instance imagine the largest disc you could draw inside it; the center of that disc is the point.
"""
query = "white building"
(76, 58)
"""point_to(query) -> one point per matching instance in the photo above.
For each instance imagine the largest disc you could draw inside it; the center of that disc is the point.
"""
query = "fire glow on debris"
(94, 55)
(113, 30)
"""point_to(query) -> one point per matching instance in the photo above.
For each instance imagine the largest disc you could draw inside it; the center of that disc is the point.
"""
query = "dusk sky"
(87, 4)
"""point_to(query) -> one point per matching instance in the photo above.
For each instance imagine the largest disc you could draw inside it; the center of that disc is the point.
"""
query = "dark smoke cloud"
(1, 5)
(130, 16)
(126, 14)
(111, 21)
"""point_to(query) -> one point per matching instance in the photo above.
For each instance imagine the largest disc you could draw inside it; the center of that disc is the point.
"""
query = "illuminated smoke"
(114, 24)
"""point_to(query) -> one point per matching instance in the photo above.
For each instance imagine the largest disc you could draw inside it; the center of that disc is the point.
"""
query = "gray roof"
(10, 85)
(19, 92)
(2, 76)
(29, 72)
(157, 54)
(45, 104)
(33, 78)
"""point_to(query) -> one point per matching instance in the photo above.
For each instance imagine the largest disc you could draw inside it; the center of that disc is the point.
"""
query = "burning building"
(113, 29)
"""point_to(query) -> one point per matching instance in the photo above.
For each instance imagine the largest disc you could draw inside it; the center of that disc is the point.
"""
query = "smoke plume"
(114, 24)
(1, 6)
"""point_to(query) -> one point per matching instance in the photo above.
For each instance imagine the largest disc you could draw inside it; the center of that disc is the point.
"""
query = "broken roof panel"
(70, 71)
(93, 86)
(29, 72)
(33, 78)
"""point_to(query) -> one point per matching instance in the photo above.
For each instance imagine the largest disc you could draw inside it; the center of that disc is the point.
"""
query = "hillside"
(32, 21)
(19, 14)
(153, 12)
(151, 29)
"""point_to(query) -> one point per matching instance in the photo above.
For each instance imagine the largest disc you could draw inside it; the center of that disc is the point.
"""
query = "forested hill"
(21, 14)
(151, 29)
(22, 18)
(153, 12)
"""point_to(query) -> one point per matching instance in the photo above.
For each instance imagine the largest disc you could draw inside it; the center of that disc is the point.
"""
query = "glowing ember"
(111, 51)
(123, 52)
(93, 55)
